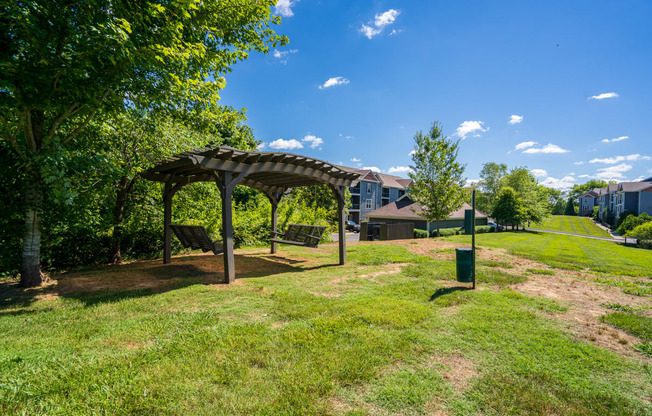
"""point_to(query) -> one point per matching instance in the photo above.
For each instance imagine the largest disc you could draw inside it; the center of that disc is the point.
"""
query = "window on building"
(401, 192)
(367, 203)
(368, 188)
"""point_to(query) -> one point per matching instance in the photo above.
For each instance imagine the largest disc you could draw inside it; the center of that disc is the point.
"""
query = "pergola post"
(226, 183)
(167, 220)
(168, 192)
(338, 191)
(274, 199)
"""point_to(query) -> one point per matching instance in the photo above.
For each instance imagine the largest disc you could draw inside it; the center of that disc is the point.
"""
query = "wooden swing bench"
(196, 237)
(300, 235)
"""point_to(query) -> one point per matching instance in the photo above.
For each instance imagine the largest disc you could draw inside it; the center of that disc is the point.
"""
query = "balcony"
(354, 207)
(385, 193)
(355, 189)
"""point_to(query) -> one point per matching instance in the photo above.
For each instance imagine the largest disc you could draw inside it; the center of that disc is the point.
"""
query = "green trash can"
(464, 260)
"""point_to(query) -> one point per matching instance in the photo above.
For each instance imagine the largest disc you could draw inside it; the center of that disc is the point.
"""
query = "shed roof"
(405, 208)
(265, 171)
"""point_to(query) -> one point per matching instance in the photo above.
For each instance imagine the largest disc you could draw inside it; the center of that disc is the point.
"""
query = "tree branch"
(83, 125)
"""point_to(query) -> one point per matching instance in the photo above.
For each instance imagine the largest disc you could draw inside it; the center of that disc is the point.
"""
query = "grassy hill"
(573, 225)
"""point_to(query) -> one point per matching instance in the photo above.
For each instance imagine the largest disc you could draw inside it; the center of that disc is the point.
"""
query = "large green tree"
(579, 190)
(63, 62)
(533, 197)
(438, 177)
(508, 208)
(491, 178)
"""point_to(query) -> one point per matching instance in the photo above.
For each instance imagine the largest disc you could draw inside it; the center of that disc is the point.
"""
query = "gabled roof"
(405, 208)
(391, 181)
(590, 194)
(633, 186)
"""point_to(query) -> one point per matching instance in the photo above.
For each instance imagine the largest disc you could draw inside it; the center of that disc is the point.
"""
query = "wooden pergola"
(272, 173)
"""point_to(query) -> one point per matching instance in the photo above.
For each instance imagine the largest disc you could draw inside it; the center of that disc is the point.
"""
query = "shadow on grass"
(111, 283)
(442, 291)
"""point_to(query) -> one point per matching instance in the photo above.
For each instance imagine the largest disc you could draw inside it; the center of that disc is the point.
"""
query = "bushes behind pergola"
(272, 173)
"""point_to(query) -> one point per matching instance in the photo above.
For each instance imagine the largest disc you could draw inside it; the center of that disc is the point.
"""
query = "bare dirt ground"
(585, 300)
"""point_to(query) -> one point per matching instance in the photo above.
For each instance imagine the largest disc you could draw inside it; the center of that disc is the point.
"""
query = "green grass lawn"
(570, 252)
(573, 225)
(300, 338)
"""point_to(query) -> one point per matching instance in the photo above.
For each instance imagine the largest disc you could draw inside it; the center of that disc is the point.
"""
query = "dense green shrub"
(646, 244)
(596, 213)
(623, 215)
(481, 229)
(445, 232)
(631, 222)
(420, 233)
(642, 232)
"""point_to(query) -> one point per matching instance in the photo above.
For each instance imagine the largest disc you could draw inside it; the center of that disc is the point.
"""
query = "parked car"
(351, 226)
(495, 226)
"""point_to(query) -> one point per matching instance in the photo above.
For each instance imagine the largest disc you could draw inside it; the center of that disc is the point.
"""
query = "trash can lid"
(463, 249)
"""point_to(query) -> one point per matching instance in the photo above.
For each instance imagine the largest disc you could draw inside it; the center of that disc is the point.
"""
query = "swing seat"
(195, 237)
(300, 235)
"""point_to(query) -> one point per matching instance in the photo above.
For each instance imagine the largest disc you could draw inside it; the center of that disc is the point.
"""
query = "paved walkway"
(615, 239)
(349, 237)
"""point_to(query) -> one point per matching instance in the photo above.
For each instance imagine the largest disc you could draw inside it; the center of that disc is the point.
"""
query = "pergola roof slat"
(263, 169)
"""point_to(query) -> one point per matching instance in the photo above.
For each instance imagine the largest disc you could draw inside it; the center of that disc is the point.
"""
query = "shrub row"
(631, 222)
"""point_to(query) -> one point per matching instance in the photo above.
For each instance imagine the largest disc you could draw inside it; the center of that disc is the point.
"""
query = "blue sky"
(562, 87)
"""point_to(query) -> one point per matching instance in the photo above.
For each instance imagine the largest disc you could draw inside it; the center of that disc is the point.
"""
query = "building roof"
(591, 194)
(633, 186)
(391, 181)
(405, 208)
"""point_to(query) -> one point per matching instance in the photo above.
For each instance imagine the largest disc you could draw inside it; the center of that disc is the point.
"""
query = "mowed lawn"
(389, 333)
(570, 252)
(573, 225)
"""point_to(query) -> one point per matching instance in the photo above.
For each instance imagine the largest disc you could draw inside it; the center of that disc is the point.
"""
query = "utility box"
(464, 262)
(468, 221)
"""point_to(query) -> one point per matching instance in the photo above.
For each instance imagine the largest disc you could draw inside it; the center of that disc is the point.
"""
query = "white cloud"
(585, 176)
(313, 140)
(355, 160)
(286, 144)
(282, 55)
(562, 184)
(284, 7)
(412, 153)
(549, 148)
(470, 182)
(539, 173)
(470, 127)
(380, 21)
(617, 159)
(373, 168)
(395, 32)
(399, 169)
(331, 82)
(615, 139)
(525, 145)
(579, 163)
(262, 145)
(613, 172)
(514, 119)
(603, 96)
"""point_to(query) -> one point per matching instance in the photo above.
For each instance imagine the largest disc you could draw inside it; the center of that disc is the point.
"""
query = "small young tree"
(438, 182)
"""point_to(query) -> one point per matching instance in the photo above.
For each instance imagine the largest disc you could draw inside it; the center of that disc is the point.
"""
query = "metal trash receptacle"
(464, 261)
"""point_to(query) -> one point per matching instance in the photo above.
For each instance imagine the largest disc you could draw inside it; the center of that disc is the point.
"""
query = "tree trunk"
(30, 275)
(118, 215)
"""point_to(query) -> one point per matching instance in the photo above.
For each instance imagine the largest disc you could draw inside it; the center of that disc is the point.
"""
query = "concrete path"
(614, 239)
(349, 237)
